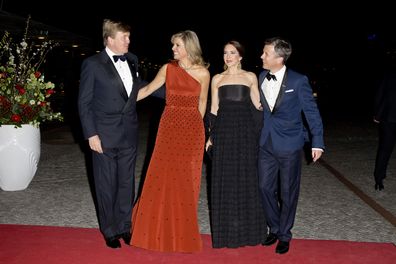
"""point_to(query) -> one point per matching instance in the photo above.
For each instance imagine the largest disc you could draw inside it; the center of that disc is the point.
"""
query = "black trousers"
(114, 179)
(386, 144)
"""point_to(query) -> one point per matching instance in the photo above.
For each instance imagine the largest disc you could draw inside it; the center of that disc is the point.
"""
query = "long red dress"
(165, 216)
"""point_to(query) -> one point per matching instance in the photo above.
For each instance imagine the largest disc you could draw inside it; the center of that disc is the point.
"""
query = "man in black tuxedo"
(109, 85)
(385, 115)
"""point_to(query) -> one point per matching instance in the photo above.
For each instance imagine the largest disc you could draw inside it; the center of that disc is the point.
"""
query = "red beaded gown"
(165, 216)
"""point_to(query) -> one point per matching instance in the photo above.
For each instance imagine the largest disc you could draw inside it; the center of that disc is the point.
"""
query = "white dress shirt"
(123, 70)
(271, 87)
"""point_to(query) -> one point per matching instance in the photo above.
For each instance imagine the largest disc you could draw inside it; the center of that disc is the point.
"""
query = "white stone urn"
(20, 150)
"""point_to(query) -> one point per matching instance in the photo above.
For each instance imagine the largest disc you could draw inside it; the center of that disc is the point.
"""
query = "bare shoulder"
(216, 80)
(164, 67)
(250, 75)
(216, 77)
(162, 70)
(201, 73)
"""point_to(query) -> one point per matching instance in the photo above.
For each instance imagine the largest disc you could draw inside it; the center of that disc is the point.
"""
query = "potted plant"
(24, 104)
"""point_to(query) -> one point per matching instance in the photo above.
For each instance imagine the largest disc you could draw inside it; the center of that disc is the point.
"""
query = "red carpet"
(65, 245)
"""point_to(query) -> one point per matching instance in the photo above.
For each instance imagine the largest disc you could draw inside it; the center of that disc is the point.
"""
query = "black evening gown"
(237, 217)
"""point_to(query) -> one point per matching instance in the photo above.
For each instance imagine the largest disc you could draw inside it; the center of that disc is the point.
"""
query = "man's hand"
(316, 154)
(95, 144)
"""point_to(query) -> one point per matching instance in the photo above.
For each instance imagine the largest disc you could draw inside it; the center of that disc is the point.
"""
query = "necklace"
(184, 67)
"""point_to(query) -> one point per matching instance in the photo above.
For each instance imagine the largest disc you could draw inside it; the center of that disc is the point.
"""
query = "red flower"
(5, 106)
(37, 74)
(16, 118)
(4, 102)
(18, 87)
(50, 91)
(28, 112)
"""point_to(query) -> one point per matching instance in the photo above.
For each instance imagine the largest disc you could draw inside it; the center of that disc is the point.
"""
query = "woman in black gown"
(237, 217)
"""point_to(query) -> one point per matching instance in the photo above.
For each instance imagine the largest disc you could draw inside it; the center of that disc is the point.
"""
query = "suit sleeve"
(85, 98)
(311, 113)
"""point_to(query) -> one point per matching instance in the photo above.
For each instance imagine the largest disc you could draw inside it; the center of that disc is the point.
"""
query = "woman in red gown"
(165, 216)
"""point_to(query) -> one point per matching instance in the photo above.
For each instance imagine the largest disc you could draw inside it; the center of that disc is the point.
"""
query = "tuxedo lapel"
(281, 92)
(112, 71)
(262, 77)
(263, 100)
(133, 67)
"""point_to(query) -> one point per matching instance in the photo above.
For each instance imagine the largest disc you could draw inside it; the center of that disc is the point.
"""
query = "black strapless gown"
(237, 217)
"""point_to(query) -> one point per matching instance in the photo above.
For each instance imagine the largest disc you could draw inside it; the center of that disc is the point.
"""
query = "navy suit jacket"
(104, 106)
(285, 124)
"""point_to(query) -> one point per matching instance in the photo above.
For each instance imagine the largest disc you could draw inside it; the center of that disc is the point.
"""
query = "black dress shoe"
(113, 242)
(379, 186)
(126, 237)
(271, 239)
(282, 247)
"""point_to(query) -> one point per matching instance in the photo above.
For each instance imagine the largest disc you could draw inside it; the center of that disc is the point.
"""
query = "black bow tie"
(119, 57)
(270, 76)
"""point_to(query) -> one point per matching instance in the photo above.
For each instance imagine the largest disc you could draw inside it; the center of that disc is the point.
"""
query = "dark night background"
(343, 50)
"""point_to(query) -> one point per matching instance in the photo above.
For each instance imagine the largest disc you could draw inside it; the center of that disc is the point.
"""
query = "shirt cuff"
(318, 149)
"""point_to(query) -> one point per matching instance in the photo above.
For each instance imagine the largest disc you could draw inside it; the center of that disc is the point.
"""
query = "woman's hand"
(208, 144)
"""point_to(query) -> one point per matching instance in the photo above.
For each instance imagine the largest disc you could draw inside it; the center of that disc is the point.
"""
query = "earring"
(225, 67)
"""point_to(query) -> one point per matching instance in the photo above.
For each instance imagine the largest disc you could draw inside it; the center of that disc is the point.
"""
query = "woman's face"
(179, 50)
(231, 55)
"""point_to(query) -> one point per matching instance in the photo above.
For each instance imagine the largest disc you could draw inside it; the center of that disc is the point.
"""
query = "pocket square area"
(289, 91)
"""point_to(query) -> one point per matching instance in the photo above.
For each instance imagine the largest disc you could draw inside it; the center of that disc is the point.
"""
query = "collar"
(111, 53)
(279, 74)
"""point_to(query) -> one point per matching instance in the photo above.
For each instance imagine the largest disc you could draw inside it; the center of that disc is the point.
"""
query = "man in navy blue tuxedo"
(286, 97)
(107, 106)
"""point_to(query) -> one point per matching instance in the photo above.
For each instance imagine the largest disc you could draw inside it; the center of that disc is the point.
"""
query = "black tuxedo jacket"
(104, 106)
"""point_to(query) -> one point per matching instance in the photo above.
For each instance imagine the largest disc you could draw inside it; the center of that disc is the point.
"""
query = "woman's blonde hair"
(192, 46)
